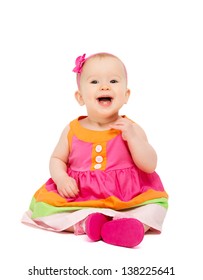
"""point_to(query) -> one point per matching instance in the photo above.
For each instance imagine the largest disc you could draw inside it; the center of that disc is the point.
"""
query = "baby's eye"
(113, 81)
(94, 82)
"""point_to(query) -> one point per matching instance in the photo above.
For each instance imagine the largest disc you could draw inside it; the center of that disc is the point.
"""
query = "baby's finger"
(118, 126)
(66, 192)
(61, 193)
(69, 193)
(73, 191)
(74, 187)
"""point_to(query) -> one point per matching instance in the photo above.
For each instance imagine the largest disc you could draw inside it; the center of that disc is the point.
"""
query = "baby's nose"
(105, 87)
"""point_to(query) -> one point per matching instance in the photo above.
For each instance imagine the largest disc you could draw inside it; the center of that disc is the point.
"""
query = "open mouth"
(105, 100)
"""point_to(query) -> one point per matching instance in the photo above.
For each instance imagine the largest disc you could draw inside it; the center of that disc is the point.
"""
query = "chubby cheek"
(88, 92)
(123, 95)
(89, 99)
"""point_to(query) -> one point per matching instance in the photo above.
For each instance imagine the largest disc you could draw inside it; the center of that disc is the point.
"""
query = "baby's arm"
(143, 154)
(66, 185)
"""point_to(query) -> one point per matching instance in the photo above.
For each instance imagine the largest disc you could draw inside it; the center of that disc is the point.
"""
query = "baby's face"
(103, 85)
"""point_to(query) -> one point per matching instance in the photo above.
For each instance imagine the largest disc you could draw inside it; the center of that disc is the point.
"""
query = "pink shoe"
(93, 225)
(125, 232)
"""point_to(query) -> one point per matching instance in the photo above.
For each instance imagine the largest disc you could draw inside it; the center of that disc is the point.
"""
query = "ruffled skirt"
(117, 193)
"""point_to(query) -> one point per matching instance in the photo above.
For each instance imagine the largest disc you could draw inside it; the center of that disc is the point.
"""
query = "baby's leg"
(78, 228)
(126, 232)
(146, 227)
(70, 229)
(91, 226)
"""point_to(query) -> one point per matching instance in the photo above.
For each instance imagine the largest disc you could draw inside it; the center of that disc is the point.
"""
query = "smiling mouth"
(105, 101)
(104, 98)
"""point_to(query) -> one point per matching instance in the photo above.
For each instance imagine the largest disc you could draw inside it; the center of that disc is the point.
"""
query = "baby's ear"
(79, 98)
(127, 95)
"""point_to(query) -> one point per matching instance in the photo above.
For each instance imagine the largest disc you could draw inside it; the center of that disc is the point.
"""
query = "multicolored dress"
(109, 182)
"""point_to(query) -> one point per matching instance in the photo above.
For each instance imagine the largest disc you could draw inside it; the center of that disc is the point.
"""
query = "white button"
(98, 148)
(97, 166)
(99, 159)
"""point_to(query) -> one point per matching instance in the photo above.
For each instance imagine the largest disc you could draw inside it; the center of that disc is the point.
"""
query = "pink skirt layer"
(151, 215)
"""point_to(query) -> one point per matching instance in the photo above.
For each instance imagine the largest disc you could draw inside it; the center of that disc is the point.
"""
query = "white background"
(161, 44)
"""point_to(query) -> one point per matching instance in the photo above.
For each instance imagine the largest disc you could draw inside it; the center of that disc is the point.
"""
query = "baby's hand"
(67, 187)
(126, 126)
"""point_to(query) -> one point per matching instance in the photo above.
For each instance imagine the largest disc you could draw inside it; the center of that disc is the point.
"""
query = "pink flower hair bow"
(79, 63)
